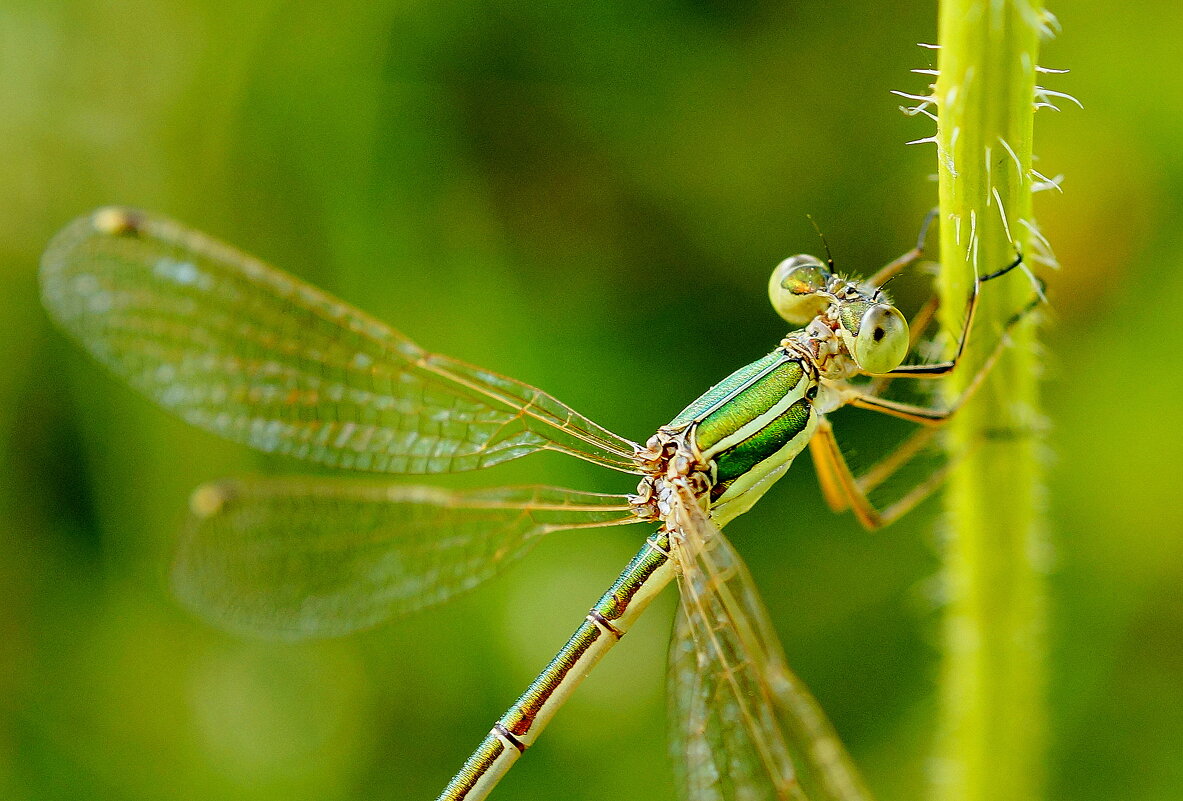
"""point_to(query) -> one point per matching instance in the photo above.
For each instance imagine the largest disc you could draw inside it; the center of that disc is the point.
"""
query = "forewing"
(248, 352)
(300, 557)
(744, 728)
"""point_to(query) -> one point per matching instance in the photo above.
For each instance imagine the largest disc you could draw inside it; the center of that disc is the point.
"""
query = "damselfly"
(252, 354)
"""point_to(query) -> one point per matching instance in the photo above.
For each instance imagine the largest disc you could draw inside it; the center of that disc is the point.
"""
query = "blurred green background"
(587, 197)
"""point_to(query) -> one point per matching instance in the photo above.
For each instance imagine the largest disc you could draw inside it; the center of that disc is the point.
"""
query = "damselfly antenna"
(879, 289)
(825, 244)
(256, 356)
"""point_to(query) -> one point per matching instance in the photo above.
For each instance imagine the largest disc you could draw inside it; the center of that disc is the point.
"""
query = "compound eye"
(796, 287)
(881, 341)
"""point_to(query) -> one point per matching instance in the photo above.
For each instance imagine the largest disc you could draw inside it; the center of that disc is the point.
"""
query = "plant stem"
(992, 679)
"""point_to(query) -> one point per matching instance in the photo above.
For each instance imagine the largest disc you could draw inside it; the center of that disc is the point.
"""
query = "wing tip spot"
(117, 221)
(209, 500)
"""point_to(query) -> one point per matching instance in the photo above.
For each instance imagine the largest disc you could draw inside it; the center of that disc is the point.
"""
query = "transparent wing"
(743, 727)
(300, 557)
(248, 352)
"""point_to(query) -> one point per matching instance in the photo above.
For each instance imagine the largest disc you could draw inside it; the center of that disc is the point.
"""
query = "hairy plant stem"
(992, 680)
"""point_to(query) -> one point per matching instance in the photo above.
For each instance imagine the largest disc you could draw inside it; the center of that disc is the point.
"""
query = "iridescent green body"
(746, 430)
(646, 575)
(257, 356)
(751, 426)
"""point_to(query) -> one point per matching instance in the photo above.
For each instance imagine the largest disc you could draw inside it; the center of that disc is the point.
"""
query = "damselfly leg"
(256, 356)
(841, 488)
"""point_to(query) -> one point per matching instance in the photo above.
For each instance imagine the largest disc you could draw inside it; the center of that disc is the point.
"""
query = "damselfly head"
(874, 332)
(798, 288)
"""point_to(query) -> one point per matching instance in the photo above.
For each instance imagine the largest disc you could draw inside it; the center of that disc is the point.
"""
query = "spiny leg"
(924, 316)
(842, 490)
(938, 369)
(916, 328)
(920, 322)
(836, 494)
(901, 455)
(893, 268)
(929, 416)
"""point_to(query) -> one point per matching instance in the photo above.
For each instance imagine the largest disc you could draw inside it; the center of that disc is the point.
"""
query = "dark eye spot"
(878, 335)
(811, 393)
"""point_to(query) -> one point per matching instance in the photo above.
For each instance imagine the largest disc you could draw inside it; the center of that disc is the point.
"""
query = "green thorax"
(750, 426)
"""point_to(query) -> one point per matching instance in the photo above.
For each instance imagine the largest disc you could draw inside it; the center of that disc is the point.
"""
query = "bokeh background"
(586, 196)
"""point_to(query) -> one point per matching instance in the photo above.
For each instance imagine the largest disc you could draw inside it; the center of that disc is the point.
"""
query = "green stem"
(992, 680)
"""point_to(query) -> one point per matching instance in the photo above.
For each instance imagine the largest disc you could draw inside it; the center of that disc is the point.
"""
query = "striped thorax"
(746, 430)
(247, 352)
(742, 434)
